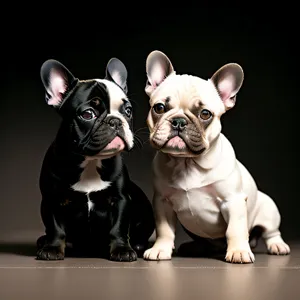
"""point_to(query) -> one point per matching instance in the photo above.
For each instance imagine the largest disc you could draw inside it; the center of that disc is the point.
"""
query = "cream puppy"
(197, 178)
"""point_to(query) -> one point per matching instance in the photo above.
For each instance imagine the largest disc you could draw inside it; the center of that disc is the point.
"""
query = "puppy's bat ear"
(57, 79)
(117, 73)
(158, 67)
(228, 81)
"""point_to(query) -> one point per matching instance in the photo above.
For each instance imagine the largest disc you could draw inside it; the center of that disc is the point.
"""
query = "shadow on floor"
(23, 249)
(30, 250)
(194, 249)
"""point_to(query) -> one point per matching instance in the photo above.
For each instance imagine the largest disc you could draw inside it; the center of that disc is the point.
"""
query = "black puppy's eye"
(88, 114)
(205, 114)
(159, 108)
(128, 111)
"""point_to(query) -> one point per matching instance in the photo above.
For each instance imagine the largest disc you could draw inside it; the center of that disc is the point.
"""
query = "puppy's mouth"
(116, 146)
(106, 141)
(176, 145)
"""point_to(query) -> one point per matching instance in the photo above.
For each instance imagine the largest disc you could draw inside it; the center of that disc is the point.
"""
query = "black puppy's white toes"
(123, 253)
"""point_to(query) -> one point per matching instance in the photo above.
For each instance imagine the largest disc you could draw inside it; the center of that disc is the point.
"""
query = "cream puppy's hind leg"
(165, 219)
(268, 218)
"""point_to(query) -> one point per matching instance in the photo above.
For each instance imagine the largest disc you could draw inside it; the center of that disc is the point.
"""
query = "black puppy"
(88, 199)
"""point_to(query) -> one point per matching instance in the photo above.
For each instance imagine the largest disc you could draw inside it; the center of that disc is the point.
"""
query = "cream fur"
(212, 195)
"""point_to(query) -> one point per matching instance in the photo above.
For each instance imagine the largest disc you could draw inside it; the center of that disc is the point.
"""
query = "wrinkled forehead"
(110, 95)
(186, 92)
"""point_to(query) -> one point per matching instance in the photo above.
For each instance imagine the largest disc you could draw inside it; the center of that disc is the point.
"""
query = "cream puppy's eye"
(205, 114)
(159, 108)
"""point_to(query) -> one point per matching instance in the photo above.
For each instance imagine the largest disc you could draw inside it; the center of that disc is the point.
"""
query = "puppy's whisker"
(131, 94)
(133, 101)
(142, 130)
(139, 142)
(147, 142)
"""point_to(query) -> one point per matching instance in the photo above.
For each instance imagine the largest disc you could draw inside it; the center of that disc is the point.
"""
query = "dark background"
(263, 126)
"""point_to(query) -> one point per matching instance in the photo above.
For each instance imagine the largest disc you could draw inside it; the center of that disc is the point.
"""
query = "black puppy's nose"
(179, 123)
(115, 123)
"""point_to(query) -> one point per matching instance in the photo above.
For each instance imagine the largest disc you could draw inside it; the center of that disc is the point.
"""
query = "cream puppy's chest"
(195, 202)
(198, 210)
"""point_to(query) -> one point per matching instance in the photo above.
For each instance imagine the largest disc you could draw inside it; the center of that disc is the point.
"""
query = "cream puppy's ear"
(158, 67)
(228, 81)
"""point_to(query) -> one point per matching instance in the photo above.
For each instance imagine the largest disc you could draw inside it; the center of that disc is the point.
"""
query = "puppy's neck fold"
(209, 158)
(212, 156)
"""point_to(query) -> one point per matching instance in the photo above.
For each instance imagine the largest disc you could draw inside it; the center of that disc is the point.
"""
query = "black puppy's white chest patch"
(90, 179)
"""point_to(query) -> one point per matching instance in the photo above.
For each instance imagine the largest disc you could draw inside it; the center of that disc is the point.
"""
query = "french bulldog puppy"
(197, 178)
(88, 199)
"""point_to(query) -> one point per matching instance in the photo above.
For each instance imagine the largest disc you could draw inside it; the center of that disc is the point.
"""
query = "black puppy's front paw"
(123, 253)
(50, 253)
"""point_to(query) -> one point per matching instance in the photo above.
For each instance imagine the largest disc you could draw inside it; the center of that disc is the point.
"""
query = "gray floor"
(22, 277)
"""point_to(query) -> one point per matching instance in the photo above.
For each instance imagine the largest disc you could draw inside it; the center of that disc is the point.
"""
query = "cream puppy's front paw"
(239, 253)
(161, 250)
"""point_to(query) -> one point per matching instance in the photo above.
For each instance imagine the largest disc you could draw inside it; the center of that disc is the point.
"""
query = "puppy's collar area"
(212, 156)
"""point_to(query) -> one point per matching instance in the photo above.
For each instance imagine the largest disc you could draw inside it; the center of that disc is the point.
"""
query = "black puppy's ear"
(56, 79)
(158, 67)
(117, 73)
(228, 81)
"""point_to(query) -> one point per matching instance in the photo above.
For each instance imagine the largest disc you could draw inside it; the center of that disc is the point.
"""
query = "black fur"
(121, 221)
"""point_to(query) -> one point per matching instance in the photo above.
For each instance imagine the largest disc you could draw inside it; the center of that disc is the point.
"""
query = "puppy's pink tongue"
(176, 142)
(116, 143)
